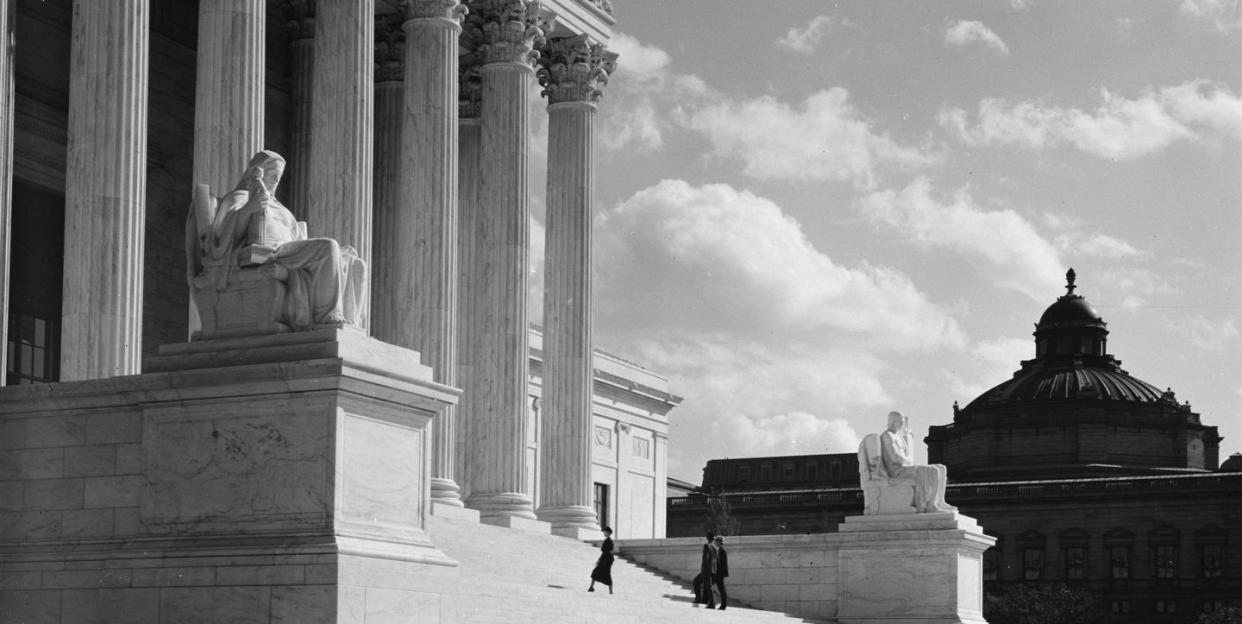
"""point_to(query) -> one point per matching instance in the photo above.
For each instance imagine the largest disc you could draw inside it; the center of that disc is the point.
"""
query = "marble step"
(517, 577)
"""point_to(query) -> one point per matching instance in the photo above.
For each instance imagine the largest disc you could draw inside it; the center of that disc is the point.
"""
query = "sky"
(811, 213)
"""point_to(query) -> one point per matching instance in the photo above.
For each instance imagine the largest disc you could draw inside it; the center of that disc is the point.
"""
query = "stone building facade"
(406, 128)
(1086, 476)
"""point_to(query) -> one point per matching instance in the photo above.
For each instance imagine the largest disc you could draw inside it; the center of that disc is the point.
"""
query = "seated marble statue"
(892, 483)
(253, 270)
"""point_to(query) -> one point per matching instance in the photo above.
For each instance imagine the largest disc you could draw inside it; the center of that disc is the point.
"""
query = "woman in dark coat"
(603, 567)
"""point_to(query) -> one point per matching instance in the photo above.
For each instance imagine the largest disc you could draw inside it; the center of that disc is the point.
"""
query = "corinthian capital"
(389, 48)
(506, 31)
(572, 69)
(299, 16)
(469, 86)
(448, 9)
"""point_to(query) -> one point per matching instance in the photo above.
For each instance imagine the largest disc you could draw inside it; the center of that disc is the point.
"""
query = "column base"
(445, 492)
(493, 506)
(571, 520)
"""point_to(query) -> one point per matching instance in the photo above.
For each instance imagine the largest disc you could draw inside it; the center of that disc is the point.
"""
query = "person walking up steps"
(703, 582)
(721, 571)
(603, 567)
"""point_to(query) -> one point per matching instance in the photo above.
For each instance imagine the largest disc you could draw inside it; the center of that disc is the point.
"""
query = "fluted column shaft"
(105, 192)
(423, 294)
(301, 67)
(498, 478)
(472, 302)
(565, 479)
(342, 109)
(388, 239)
(571, 71)
(6, 167)
(228, 94)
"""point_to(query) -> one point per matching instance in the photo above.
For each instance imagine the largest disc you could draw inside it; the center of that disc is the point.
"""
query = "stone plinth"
(281, 478)
(911, 569)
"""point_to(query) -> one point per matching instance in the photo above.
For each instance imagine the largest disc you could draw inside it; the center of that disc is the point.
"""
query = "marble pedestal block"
(911, 569)
(282, 478)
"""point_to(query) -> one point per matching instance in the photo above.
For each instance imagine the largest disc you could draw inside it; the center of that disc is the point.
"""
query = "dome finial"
(1069, 282)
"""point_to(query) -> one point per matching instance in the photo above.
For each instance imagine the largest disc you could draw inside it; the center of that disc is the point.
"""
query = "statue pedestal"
(274, 478)
(911, 569)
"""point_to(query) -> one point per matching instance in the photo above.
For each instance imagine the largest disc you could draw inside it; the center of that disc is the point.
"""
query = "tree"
(719, 516)
(1229, 614)
(1043, 604)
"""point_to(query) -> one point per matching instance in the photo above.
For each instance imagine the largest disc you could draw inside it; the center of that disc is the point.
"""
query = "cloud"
(804, 40)
(1206, 334)
(776, 347)
(714, 257)
(1135, 287)
(990, 362)
(534, 290)
(644, 87)
(1021, 5)
(1018, 258)
(824, 139)
(1094, 246)
(1119, 128)
(965, 32)
(1225, 15)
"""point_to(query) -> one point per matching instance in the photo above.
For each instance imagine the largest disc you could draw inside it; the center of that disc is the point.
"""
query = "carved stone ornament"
(572, 69)
(506, 31)
(389, 48)
(447, 9)
(253, 271)
(469, 86)
(299, 16)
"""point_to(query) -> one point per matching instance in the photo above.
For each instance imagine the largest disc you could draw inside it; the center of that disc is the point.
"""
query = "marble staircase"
(515, 577)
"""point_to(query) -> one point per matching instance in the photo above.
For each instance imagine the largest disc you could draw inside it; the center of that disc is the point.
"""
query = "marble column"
(509, 30)
(229, 87)
(105, 190)
(470, 298)
(7, 8)
(571, 70)
(342, 131)
(228, 95)
(300, 19)
(424, 291)
(386, 308)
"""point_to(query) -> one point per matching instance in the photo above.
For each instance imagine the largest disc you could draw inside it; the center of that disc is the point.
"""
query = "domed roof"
(1070, 310)
(1071, 362)
(1102, 382)
(1233, 464)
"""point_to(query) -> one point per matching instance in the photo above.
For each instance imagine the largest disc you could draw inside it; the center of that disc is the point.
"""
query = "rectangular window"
(31, 350)
(1119, 562)
(601, 504)
(743, 473)
(1032, 564)
(812, 472)
(787, 471)
(1213, 558)
(991, 563)
(1166, 606)
(1075, 563)
(1166, 561)
(1120, 607)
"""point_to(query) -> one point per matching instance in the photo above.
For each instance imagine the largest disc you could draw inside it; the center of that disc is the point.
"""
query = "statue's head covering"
(273, 166)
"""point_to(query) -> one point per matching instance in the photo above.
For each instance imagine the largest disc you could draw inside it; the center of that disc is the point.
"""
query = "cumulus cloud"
(1018, 257)
(1119, 128)
(991, 362)
(966, 32)
(804, 39)
(1094, 246)
(825, 138)
(643, 87)
(1225, 15)
(776, 347)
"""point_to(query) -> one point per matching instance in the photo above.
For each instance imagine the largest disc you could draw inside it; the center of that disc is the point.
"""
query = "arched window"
(1164, 550)
(1031, 549)
(1074, 549)
(1211, 542)
(1119, 546)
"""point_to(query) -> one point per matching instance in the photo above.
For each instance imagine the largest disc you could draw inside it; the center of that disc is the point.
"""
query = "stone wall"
(796, 574)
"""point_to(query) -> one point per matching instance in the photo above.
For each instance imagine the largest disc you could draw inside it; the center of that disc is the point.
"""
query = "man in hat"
(720, 571)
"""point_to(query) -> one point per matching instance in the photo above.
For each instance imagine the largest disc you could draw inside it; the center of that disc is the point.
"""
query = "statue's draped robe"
(929, 480)
(323, 282)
